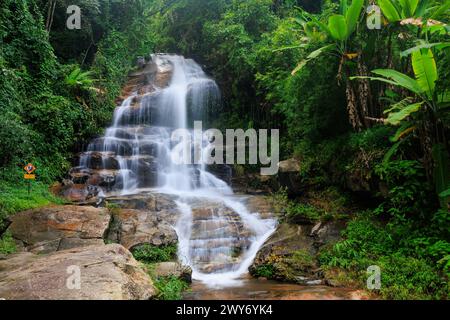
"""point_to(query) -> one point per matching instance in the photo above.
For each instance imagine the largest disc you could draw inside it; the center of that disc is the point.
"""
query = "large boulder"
(290, 254)
(289, 176)
(107, 272)
(132, 228)
(58, 228)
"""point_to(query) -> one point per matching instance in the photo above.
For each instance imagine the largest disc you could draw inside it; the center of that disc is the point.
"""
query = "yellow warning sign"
(29, 168)
(30, 176)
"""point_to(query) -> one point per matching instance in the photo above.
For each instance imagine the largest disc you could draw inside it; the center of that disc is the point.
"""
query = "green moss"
(303, 258)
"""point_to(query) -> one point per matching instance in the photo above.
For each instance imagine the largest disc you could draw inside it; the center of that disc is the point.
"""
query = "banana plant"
(338, 30)
(425, 105)
(401, 10)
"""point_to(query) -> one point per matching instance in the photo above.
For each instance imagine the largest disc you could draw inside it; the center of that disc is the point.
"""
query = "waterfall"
(218, 236)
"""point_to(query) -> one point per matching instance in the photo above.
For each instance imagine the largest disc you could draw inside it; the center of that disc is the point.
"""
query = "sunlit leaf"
(338, 27)
(425, 70)
(395, 118)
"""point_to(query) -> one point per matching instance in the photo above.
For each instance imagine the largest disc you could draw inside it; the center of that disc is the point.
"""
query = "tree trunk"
(50, 15)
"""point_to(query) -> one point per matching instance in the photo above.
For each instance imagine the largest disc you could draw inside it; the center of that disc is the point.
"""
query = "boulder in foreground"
(107, 272)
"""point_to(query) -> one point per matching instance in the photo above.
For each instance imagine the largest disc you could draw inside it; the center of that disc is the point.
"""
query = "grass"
(153, 254)
(15, 198)
(170, 288)
(7, 244)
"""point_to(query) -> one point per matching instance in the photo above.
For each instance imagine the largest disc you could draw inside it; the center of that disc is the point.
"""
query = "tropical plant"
(416, 12)
(79, 79)
(339, 33)
(422, 111)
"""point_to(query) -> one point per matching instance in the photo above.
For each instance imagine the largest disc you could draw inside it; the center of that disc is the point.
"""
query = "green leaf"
(409, 7)
(395, 118)
(442, 9)
(444, 97)
(445, 194)
(400, 79)
(353, 14)
(389, 10)
(438, 45)
(399, 105)
(404, 130)
(338, 27)
(387, 157)
(343, 7)
(311, 56)
(425, 70)
(422, 7)
(290, 47)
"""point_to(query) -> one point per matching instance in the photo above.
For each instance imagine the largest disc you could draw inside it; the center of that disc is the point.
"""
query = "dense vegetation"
(353, 104)
(169, 287)
(58, 86)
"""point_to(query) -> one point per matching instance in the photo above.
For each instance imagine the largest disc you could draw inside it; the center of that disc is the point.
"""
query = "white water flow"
(218, 236)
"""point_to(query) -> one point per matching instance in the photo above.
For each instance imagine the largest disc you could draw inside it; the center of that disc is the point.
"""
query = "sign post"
(29, 168)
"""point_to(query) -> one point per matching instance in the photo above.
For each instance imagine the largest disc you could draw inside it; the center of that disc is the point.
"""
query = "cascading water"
(218, 236)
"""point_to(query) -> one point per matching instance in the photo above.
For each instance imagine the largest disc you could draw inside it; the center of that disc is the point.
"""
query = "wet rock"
(140, 62)
(290, 253)
(121, 147)
(289, 177)
(57, 228)
(261, 205)
(132, 228)
(78, 176)
(289, 166)
(147, 169)
(107, 272)
(74, 192)
(149, 148)
(167, 269)
(162, 79)
(218, 237)
(161, 205)
(101, 160)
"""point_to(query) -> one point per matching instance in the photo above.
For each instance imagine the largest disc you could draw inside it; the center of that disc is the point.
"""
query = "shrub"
(170, 288)
(151, 254)
(408, 269)
(264, 270)
(7, 244)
